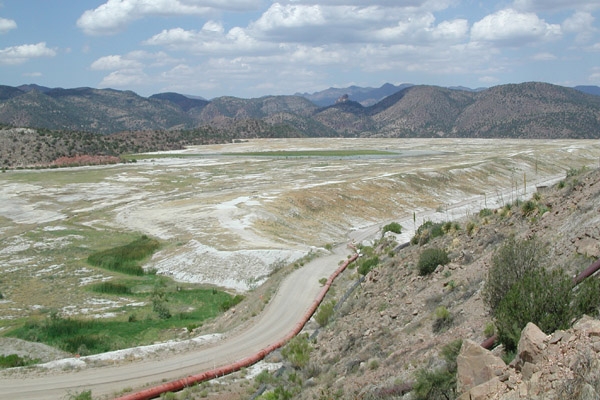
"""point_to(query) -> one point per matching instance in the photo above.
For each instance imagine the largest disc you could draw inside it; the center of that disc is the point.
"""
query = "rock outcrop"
(564, 365)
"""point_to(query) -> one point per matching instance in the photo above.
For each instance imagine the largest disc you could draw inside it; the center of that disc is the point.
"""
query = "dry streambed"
(229, 220)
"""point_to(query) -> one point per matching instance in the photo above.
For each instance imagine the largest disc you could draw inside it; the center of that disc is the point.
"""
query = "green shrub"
(279, 393)
(540, 296)
(434, 385)
(485, 212)
(439, 384)
(427, 231)
(325, 313)
(443, 319)
(14, 360)
(430, 259)
(231, 302)
(264, 377)
(587, 297)
(297, 351)
(510, 264)
(394, 227)
(159, 300)
(489, 330)
(528, 207)
(470, 227)
(85, 395)
(367, 265)
(571, 172)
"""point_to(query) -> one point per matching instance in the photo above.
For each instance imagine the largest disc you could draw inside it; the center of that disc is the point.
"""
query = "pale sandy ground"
(229, 221)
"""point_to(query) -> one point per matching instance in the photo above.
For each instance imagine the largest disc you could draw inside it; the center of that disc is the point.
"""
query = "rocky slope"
(385, 331)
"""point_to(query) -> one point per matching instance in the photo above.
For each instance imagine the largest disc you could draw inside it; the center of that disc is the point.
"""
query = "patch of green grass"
(111, 288)
(315, 153)
(231, 302)
(85, 395)
(92, 336)
(14, 360)
(125, 259)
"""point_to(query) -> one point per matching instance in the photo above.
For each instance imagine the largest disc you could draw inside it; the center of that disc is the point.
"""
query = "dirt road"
(285, 309)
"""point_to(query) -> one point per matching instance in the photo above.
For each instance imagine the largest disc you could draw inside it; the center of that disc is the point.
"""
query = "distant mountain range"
(366, 96)
(527, 110)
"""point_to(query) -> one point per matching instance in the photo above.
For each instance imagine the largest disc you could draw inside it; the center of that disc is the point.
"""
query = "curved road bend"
(285, 309)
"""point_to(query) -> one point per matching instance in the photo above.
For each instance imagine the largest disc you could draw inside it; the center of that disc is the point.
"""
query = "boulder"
(588, 326)
(476, 365)
(485, 391)
(531, 346)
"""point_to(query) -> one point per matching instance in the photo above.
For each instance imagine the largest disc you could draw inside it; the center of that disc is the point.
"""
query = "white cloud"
(20, 54)
(544, 57)
(114, 62)
(32, 74)
(488, 80)
(125, 78)
(114, 15)
(211, 40)
(555, 5)
(421, 29)
(6, 25)
(133, 60)
(512, 28)
(357, 22)
(581, 23)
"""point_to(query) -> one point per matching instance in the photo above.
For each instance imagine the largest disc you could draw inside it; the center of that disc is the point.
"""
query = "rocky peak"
(342, 99)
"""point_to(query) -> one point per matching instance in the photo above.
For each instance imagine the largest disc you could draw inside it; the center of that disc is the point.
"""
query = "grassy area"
(125, 259)
(161, 305)
(281, 153)
(156, 156)
(189, 308)
(315, 153)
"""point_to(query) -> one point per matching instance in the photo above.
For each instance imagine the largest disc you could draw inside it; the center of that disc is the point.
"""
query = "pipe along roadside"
(181, 384)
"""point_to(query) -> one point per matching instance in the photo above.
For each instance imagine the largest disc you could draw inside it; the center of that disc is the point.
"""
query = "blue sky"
(252, 48)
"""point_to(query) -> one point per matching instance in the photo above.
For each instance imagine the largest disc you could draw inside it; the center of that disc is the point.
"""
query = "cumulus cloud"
(114, 15)
(114, 62)
(133, 60)
(555, 5)
(6, 25)
(358, 22)
(210, 40)
(582, 24)
(513, 28)
(125, 78)
(20, 54)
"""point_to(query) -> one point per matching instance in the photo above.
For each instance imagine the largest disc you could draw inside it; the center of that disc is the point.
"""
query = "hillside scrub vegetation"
(385, 323)
(520, 289)
(430, 259)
